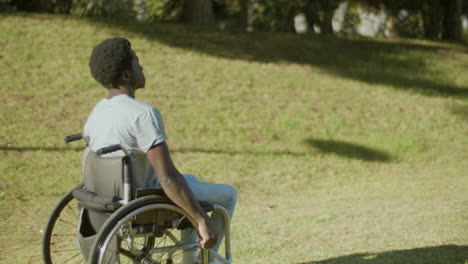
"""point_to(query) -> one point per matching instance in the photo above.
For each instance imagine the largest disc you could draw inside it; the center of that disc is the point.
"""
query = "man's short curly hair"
(109, 59)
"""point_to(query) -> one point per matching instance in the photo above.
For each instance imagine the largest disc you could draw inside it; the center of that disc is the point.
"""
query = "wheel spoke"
(67, 222)
(142, 241)
(74, 256)
(64, 250)
(59, 242)
(61, 235)
(73, 210)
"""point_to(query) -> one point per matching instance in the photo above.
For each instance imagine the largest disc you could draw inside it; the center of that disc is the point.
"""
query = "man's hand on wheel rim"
(208, 234)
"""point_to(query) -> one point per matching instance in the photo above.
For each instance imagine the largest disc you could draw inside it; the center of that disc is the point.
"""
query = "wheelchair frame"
(116, 225)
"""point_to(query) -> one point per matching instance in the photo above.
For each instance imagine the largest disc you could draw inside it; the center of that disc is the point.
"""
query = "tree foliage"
(433, 19)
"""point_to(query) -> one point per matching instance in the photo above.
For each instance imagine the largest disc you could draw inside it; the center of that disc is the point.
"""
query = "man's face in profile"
(138, 76)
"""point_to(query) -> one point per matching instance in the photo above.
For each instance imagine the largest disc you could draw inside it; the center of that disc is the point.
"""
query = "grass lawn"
(343, 150)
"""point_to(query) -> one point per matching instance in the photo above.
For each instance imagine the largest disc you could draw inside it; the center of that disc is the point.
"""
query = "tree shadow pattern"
(349, 150)
(10, 148)
(447, 254)
(401, 65)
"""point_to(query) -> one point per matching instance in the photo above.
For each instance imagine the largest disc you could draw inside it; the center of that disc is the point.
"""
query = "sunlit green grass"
(344, 150)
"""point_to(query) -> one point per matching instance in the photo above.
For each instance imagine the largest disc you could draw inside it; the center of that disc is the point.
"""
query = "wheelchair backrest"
(102, 175)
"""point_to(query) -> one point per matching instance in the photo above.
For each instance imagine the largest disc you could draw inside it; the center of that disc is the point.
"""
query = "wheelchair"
(141, 226)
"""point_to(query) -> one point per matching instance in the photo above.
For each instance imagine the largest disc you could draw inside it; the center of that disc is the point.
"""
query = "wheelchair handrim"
(135, 212)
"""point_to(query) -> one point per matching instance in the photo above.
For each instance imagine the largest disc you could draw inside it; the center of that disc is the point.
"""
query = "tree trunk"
(312, 17)
(32, 6)
(452, 29)
(287, 22)
(68, 7)
(432, 24)
(244, 14)
(326, 26)
(432, 15)
(198, 12)
(320, 12)
(326, 16)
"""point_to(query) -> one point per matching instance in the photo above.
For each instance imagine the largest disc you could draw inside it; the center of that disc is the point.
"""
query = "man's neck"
(121, 90)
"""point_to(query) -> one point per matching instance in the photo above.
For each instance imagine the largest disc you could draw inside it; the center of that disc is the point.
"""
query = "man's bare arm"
(178, 191)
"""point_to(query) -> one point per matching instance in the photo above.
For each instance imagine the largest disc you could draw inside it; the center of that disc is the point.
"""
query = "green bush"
(410, 25)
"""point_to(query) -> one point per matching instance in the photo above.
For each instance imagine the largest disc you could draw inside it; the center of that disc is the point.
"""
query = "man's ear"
(125, 75)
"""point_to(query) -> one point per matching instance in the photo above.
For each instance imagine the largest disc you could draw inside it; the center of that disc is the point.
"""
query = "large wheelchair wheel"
(144, 231)
(59, 238)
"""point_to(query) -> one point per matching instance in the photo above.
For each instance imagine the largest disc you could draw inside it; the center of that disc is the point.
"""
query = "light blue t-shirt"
(134, 125)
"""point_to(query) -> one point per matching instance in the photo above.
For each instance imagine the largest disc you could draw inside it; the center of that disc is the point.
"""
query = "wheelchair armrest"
(94, 202)
(160, 193)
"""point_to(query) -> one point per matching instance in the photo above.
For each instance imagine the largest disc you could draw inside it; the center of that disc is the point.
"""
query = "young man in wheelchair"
(139, 128)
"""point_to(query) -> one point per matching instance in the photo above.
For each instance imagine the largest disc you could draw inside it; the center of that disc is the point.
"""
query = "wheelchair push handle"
(100, 152)
(109, 149)
(73, 137)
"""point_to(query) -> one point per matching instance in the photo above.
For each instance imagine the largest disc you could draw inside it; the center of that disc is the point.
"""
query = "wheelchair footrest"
(94, 202)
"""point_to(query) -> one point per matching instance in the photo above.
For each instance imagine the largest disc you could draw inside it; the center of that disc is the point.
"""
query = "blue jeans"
(212, 193)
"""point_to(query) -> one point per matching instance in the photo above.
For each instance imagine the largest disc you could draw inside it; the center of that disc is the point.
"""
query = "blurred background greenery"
(430, 19)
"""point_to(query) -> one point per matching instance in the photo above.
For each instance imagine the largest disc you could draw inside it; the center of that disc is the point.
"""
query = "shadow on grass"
(449, 254)
(401, 65)
(175, 150)
(244, 152)
(47, 149)
(349, 150)
(344, 149)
